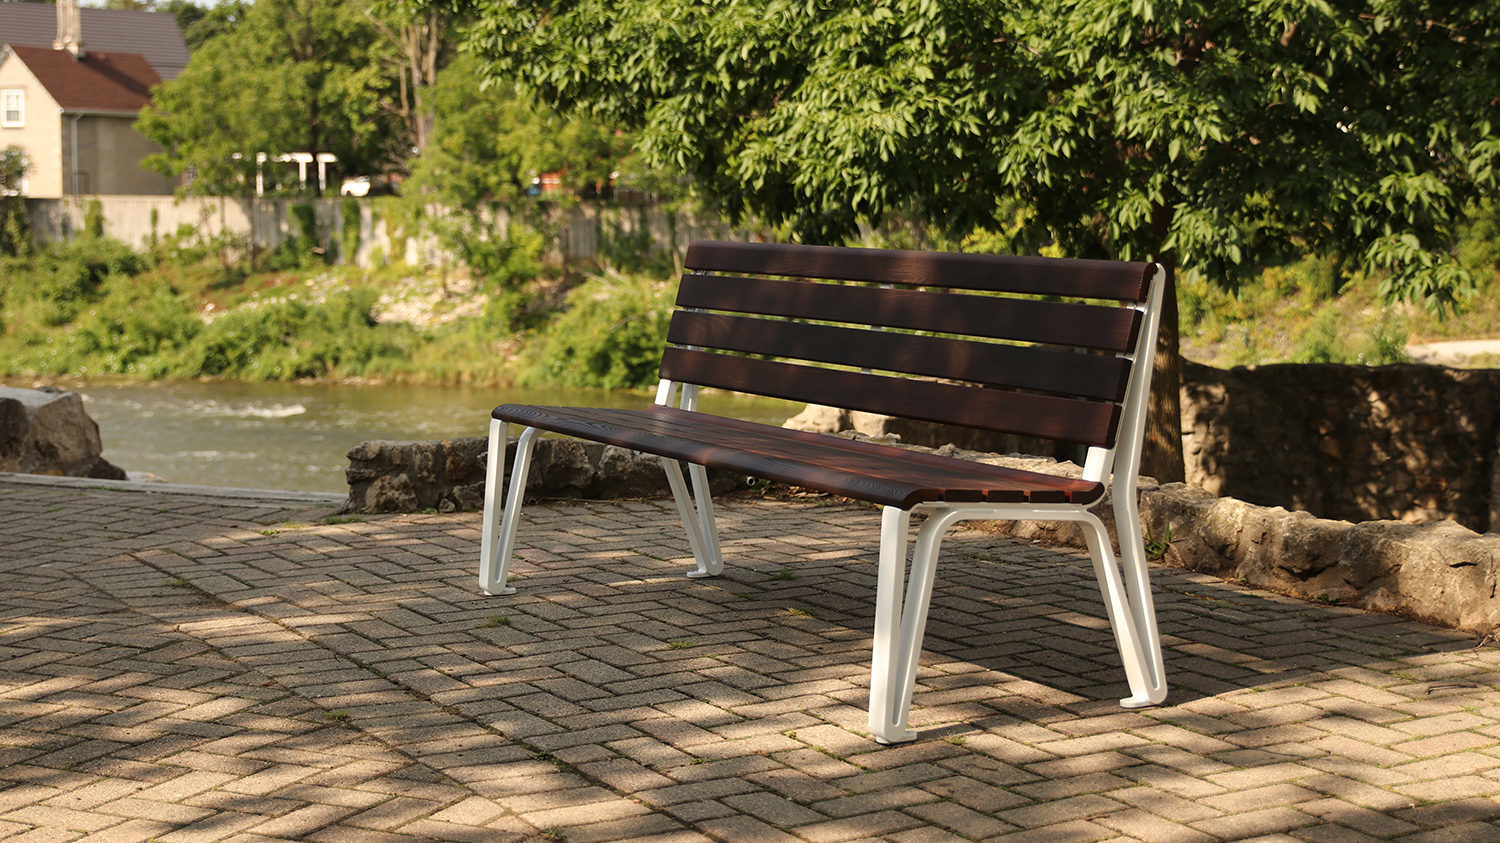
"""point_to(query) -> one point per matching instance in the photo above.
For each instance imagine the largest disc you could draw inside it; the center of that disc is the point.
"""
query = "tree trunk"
(1162, 456)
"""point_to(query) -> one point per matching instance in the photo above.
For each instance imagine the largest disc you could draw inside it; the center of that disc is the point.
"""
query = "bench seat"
(877, 473)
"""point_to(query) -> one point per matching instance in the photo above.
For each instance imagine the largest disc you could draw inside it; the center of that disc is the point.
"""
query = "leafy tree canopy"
(1211, 133)
(13, 167)
(488, 143)
(282, 76)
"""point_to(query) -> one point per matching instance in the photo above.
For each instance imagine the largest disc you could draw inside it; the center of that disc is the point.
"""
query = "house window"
(12, 108)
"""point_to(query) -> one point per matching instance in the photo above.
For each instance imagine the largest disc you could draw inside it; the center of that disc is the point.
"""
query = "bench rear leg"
(697, 512)
(1138, 594)
(498, 539)
(1127, 601)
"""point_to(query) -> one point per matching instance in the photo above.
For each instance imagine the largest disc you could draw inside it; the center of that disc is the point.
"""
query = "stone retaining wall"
(1409, 442)
(448, 475)
(1360, 443)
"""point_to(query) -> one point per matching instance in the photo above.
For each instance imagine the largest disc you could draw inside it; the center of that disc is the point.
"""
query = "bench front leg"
(697, 513)
(901, 618)
(498, 538)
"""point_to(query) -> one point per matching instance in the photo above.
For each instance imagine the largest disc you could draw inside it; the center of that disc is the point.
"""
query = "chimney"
(69, 29)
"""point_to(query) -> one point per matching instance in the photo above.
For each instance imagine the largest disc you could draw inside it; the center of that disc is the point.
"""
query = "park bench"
(1059, 349)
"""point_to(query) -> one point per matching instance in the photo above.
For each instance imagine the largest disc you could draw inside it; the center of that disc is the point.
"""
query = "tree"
(15, 235)
(1209, 134)
(291, 76)
(489, 142)
(417, 35)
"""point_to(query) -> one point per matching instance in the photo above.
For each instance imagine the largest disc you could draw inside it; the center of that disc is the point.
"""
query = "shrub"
(288, 338)
(138, 327)
(609, 335)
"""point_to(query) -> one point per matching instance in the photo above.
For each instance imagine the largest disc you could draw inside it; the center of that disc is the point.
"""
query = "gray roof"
(151, 34)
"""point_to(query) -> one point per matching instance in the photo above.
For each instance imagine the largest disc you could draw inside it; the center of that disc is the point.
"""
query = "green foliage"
(489, 142)
(288, 338)
(15, 231)
(1479, 239)
(350, 215)
(1212, 134)
(136, 327)
(92, 306)
(55, 286)
(610, 335)
(505, 262)
(13, 168)
(304, 249)
(93, 218)
(277, 76)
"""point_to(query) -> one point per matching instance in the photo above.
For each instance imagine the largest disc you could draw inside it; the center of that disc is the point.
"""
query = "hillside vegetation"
(93, 307)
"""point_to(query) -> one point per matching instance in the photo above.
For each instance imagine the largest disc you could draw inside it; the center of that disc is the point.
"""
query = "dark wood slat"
(1050, 417)
(1096, 376)
(1056, 323)
(996, 273)
(961, 479)
(870, 472)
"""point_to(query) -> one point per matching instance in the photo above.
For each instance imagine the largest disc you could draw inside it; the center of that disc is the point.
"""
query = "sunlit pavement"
(180, 666)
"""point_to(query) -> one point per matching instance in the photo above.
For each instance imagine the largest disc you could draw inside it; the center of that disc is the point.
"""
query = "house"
(72, 107)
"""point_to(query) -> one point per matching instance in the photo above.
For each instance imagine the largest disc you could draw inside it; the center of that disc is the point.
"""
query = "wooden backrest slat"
(1027, 414)
(995, 273)
(1096, 376)
(1069, 324)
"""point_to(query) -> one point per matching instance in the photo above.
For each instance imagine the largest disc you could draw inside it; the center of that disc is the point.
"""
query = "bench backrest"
(1034, 346)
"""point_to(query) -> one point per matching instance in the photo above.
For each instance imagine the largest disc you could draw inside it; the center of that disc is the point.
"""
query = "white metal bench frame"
(903, 594)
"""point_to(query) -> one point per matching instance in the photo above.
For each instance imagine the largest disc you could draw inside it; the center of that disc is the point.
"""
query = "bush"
(288, 338)
(139, 327)
(609, 335)
(1479, 239)
(54, 286)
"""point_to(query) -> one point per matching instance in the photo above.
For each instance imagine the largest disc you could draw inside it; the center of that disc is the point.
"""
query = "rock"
(448, 475)
(48, 431)
(1359, 443)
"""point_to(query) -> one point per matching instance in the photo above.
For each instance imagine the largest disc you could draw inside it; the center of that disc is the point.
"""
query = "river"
(296, 436)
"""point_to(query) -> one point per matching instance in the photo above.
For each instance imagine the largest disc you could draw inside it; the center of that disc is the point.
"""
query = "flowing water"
(296, 436)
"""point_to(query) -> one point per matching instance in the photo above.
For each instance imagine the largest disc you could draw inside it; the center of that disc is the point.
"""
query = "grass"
(1309, 312)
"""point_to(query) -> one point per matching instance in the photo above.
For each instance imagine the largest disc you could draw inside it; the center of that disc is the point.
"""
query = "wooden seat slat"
(1119, 281)
(1066, 324)
(1027, 414)
(873, 459)
(1095, 376)
(858, 469)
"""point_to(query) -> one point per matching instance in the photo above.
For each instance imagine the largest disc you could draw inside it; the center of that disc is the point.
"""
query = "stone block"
(48, 431)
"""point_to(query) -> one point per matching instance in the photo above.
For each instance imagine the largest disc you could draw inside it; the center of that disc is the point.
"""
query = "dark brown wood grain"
(1047, 416)
(1055, 323)
(876, 473)
(1095, 376)
(998, 273)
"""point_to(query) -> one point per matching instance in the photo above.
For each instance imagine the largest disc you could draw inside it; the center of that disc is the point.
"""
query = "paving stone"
(338, 681)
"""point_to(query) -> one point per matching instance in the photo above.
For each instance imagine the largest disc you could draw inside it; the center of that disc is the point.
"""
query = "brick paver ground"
(186, 667)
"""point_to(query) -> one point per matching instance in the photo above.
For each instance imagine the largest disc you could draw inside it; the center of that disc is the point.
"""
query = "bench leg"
(697, 512)
(1128, 603)
(901, 619)
(498, 539)
(1142, 608)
